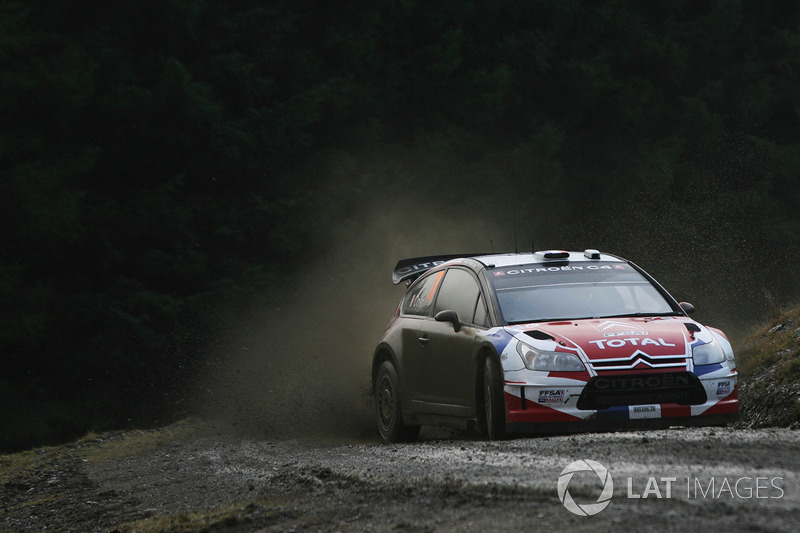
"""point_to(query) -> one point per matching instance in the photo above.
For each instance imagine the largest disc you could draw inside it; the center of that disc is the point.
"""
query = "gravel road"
(685, 479)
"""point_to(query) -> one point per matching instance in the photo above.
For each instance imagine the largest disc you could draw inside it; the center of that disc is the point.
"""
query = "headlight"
(708, 354)
(727, 349)
(549, 361)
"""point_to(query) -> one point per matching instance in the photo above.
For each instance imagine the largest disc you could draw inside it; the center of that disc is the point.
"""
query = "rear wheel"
(493, 405)
(387, 407)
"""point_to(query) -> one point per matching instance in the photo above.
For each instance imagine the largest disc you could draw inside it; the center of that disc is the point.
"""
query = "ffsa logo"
(585, 509)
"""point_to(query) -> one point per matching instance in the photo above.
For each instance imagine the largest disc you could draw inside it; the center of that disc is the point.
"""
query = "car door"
(417, 310)
(447, 380)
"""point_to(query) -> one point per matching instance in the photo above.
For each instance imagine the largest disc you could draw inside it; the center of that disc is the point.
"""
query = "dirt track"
(176, 480)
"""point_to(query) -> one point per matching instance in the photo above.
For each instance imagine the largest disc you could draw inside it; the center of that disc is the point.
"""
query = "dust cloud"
(301, 367)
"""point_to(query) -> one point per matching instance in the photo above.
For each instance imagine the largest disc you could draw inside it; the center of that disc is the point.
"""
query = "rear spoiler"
(410, 269)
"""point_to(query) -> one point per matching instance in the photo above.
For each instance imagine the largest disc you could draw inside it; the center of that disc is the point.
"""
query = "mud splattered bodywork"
(551, 341)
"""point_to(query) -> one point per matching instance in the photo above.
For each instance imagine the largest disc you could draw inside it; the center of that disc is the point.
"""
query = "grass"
(13, 465)
(95, 447)
(776, 344)
(768, 361)
(33, 503)
(263, 510)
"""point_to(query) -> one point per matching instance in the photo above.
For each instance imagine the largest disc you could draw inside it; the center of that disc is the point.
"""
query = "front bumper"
(712, 399)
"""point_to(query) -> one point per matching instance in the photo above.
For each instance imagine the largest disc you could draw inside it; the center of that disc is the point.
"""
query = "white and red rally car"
(550, 341)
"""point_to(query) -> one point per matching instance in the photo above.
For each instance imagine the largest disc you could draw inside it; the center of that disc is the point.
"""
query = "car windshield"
(537, 293)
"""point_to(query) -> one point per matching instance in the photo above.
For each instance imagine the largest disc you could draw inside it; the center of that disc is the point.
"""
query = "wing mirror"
(449, 316)
(687, 307)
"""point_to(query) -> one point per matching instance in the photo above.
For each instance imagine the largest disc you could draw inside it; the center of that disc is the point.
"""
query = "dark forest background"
(166, 163)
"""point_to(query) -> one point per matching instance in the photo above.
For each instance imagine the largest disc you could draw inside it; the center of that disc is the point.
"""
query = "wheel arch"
(382, 353)
(484, 352)
(489, 353)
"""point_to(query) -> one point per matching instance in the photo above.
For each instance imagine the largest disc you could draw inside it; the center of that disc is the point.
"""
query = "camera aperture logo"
(585, 509)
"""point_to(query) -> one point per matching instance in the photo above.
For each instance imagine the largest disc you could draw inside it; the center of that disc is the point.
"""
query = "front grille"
(602, 392)
(639, 358)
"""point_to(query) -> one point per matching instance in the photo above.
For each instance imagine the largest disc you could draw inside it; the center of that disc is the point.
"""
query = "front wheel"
(387, 407)
(493, 404)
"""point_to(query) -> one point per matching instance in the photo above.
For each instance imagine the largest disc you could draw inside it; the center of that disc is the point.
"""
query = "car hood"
(620, 343)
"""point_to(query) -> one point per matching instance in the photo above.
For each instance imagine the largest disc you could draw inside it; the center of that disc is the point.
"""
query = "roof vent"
(592, 254)
(552, 255)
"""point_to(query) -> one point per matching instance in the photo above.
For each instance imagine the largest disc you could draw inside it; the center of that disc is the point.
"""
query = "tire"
(494, 410)
(388, 411)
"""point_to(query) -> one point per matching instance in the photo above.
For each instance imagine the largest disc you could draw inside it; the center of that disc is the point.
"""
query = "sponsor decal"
(619, 343)
(552, 396)
(638, 412)
(623, 333)
(646, 382)
(611, 324)
(499, 273)
(419, 266)
(724, 388)
(565, 268)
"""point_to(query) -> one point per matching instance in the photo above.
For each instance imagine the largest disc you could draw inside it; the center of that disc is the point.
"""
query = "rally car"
(551, 341)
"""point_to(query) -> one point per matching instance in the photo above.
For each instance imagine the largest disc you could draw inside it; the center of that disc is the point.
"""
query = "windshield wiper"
(564, 319)
(632, 315)
(535, 320)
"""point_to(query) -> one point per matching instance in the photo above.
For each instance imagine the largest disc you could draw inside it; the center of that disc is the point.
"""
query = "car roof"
(409, 270)
(546, 256)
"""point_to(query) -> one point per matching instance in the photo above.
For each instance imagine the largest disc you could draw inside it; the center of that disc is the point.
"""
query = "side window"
(481, 313)
(459, 293)
(419, 299)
